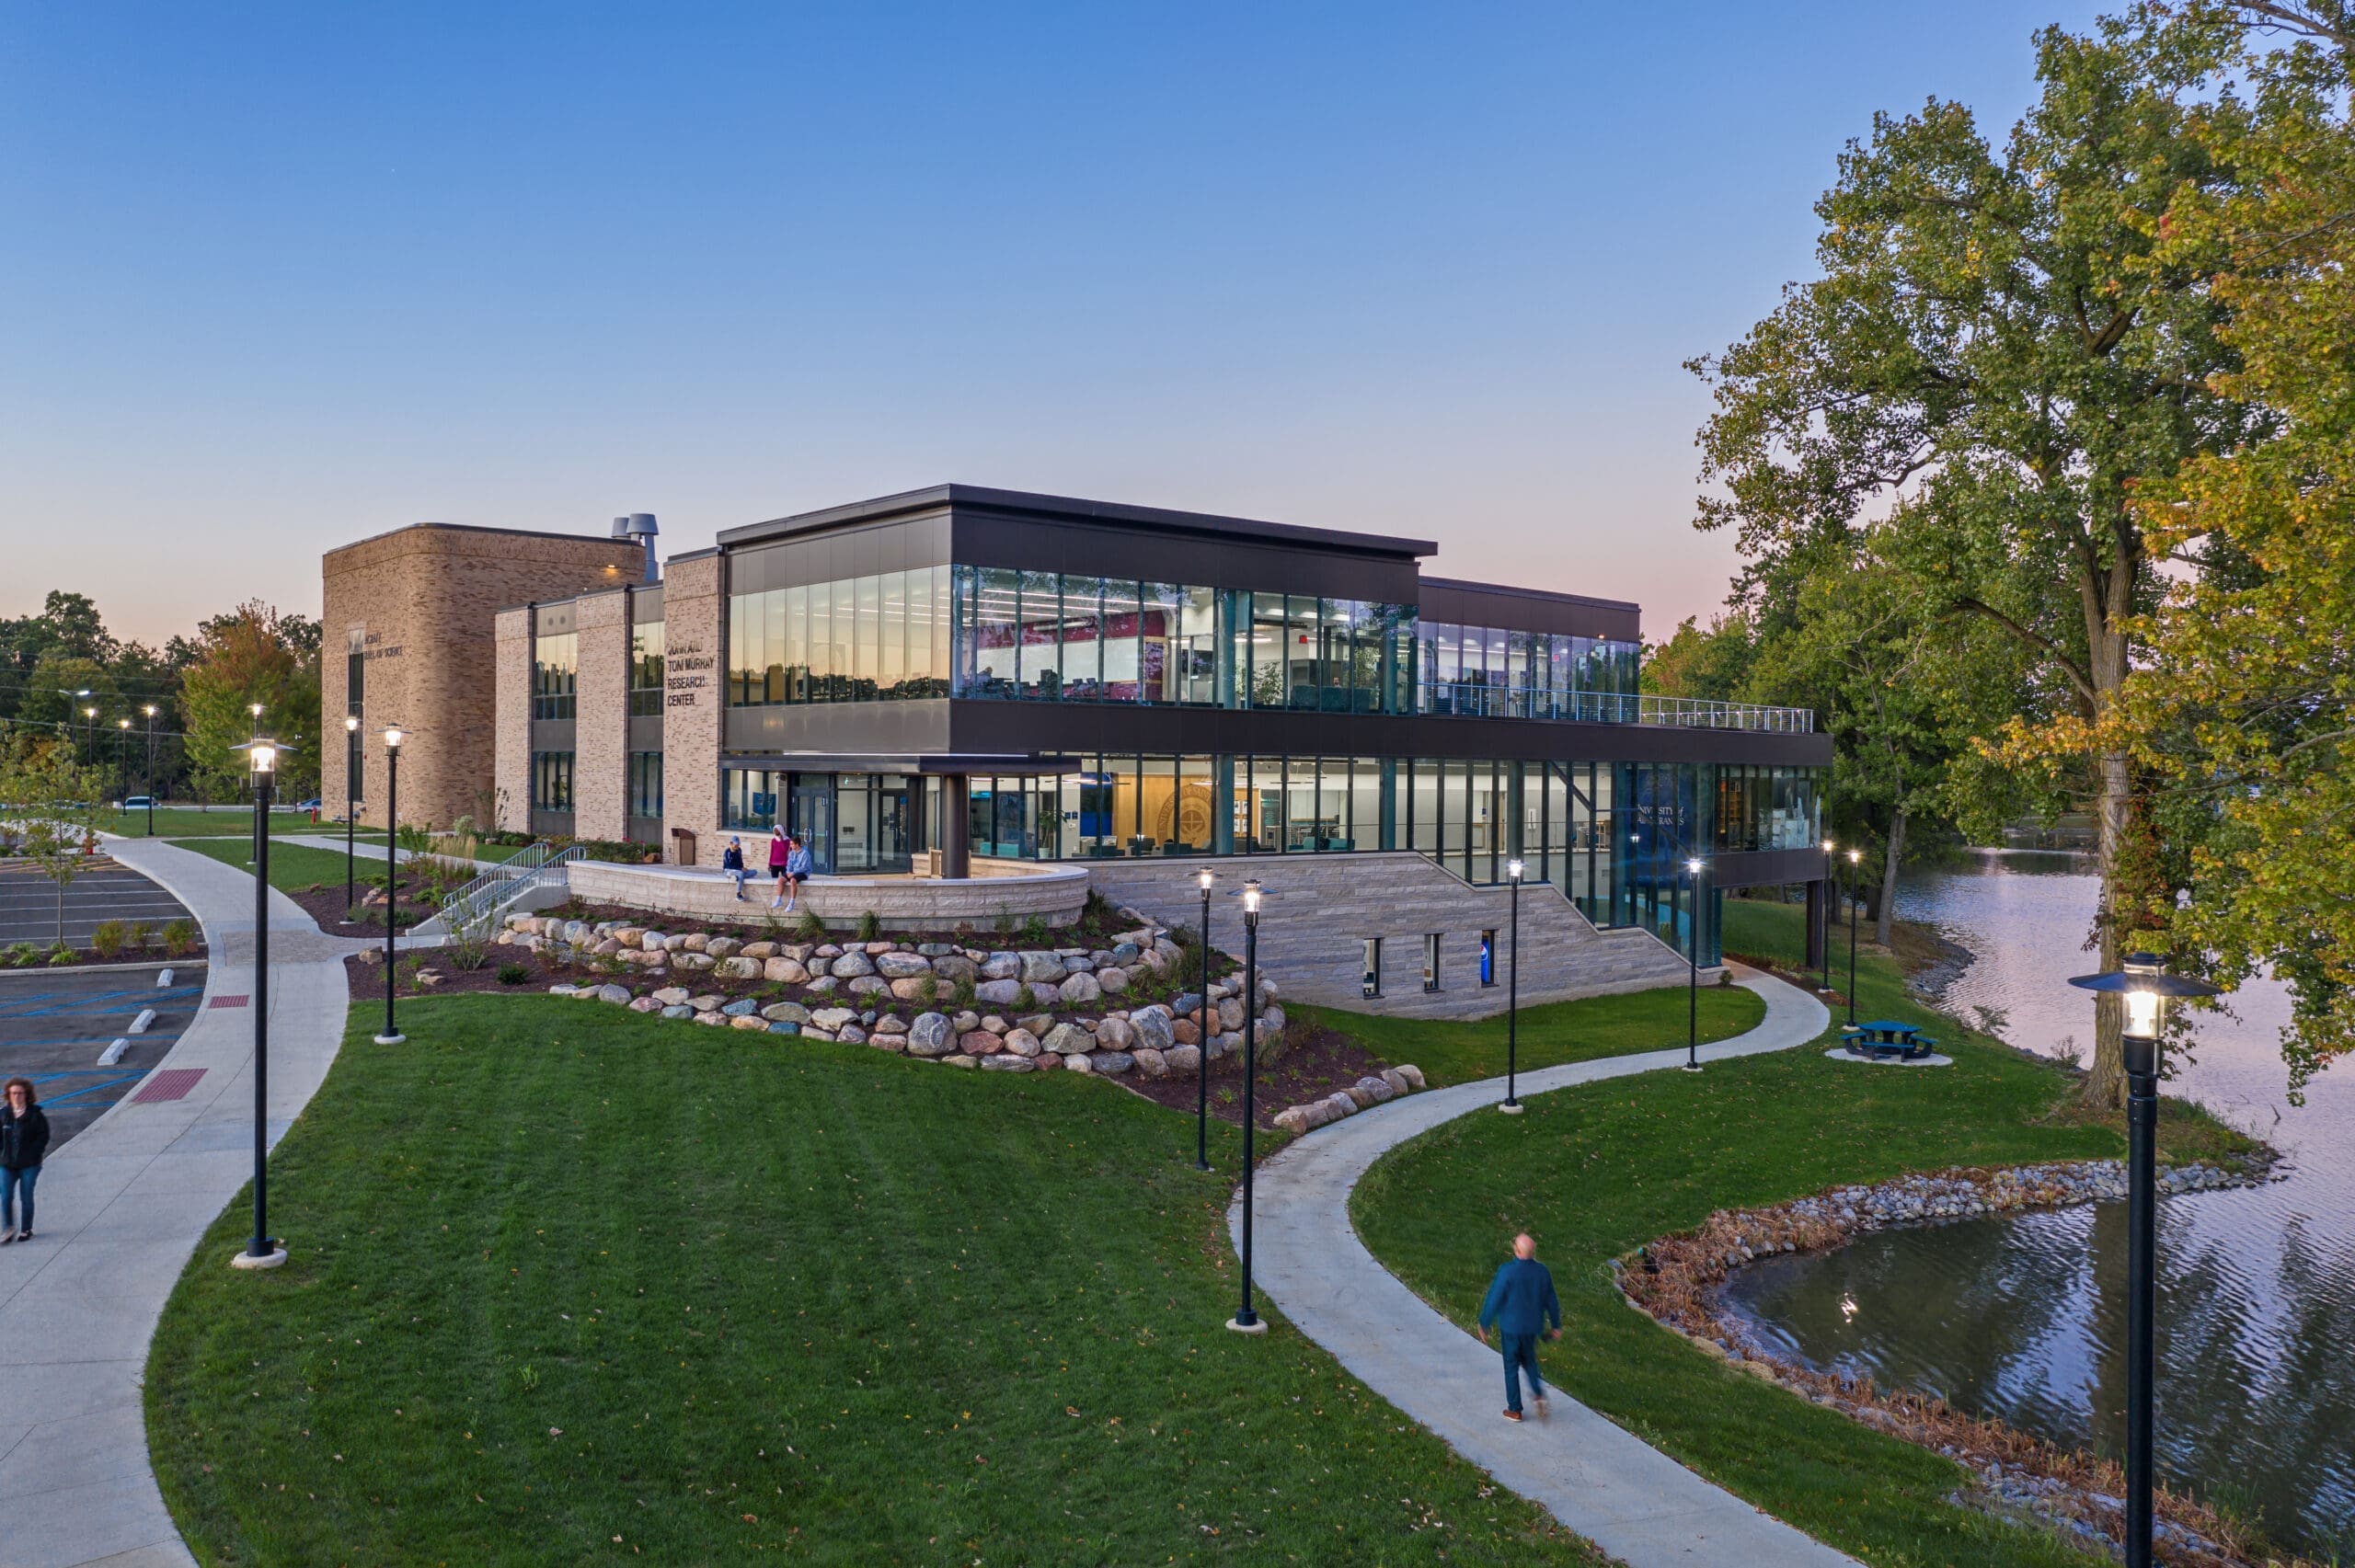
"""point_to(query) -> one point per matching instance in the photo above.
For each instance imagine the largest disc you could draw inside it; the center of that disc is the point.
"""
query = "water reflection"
(2022, 1318)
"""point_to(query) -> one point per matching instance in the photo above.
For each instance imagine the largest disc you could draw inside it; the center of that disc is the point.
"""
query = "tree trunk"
(1886, 916)
(2108, 598)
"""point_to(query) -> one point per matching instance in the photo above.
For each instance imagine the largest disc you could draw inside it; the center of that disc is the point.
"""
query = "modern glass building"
(915, 681)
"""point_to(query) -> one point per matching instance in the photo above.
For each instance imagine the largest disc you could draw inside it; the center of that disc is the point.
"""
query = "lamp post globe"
(1246, 1321)
(1693, 869)
(1203, 879)
(351, 807)
(1511, 1102)
(2145, 987)
(1823, 930)
(262, 1250)
(392, 1035)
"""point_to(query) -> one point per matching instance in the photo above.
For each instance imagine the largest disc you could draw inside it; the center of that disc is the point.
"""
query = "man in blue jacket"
(1522, 1305)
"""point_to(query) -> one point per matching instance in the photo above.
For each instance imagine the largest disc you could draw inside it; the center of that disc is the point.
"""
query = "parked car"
(135, 803)
(310, 805)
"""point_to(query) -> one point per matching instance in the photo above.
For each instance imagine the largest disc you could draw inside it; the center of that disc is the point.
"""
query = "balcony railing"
(1469, 700)
(1699, 714)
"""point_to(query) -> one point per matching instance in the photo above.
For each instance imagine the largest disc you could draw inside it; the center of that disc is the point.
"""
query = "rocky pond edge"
(1679, 1282)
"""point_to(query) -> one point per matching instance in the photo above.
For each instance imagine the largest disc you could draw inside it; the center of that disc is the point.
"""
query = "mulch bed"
(324, 903)
(367, 980)
(1315, 1061)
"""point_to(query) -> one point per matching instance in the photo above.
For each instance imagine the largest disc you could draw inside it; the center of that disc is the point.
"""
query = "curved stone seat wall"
(1320, 909)
(1055, 894)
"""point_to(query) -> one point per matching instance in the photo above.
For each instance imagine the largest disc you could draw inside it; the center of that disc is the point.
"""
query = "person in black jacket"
(24, 1139)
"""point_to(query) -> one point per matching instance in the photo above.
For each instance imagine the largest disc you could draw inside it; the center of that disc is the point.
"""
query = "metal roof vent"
(639, 527)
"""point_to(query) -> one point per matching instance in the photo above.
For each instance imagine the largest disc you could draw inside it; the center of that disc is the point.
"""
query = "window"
(555, 668)
(646, 669)
(1487, 957)
(1372, 985)
(645, 783)
(551, 780)
(1431, 962)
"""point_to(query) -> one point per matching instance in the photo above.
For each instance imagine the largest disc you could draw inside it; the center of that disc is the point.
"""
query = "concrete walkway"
(1629, 1499)
(122, 1206)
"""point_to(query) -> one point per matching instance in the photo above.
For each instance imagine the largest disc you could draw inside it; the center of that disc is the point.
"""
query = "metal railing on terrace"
(1472, 700)
(1700, 714)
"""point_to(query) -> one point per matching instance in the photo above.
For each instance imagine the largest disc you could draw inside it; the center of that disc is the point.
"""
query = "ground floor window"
(1487, 957)
(1431, 962)
(1372, 985)
(551, 780)
(852, 823)
(645, 783)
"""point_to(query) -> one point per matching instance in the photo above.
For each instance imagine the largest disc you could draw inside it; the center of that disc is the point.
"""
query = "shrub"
(870, 926)
(63, 954)
(142, 934)
(928, 991)
(513, 974)
(467, 950)
(1034, 932)
(1025, 1001)
(109, 938)
(809, 928)
(1098, 908)
(962, 997)
(179, 938)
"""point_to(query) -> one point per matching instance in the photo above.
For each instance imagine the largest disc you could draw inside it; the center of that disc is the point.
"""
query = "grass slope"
(571, 1286)
(185, 821)
(1555, 1032)
(1597, 1170)
(292, 866)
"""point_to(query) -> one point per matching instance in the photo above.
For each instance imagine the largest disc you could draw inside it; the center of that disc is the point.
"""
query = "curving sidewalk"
(1635, 1501)
(121, 1207)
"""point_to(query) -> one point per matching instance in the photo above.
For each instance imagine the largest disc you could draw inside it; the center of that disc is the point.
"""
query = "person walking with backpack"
(1521, 1304)
(24, 1139)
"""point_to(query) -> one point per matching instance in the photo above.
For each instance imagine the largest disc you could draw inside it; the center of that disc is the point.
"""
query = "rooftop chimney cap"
(637, 526)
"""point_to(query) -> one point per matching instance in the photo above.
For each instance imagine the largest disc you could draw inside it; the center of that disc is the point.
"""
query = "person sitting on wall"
(797, 867)
(731, 861)
(780, 852)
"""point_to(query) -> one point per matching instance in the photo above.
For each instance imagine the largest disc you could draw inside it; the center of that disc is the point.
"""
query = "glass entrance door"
(894, 826)
(813, 818)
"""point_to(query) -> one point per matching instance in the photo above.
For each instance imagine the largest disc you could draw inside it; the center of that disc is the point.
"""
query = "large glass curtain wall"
(1763, 807)
(1491, 672)
(861, 639)
(1057, 636)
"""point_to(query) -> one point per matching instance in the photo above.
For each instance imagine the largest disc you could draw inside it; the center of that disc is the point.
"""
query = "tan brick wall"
(695, 664)
(601, 729)
(511, 766)
(427, 597)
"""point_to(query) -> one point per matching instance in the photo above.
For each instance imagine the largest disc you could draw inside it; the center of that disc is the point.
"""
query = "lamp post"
(1830, 882)
(1511, 1105)
(392, 1035)
(90, 734)
(121, 773)
(1246, 1321)
(1855, 857)
(1692, 956)
(151, 769)
(263, 1251)
(1203, 1052)
(351, 808)
(2144, 987)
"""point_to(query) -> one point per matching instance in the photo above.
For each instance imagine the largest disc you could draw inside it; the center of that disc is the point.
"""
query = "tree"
(247, 659)
(2244, 707)
(1711, 665)
(2000, 348)
(54, 804)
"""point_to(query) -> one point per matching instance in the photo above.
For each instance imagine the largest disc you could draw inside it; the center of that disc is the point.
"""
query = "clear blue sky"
(280, 276)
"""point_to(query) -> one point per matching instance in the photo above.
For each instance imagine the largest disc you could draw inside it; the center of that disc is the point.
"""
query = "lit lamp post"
(1246, 1321)
(351, 809)
(392, 1035)
(2144, 987)
(1692, 956)
(263, 1251)
(1855, 857)
(1202, 1054)
(90, 730)
(1831, 883)
(1511, 1105)
(151, 769)
(121, 773)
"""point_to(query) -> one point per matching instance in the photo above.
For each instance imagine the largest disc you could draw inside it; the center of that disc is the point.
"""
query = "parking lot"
(54, 1027)
(28, 905)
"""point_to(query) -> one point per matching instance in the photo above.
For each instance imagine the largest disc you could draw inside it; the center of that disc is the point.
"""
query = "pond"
(2021, 1318)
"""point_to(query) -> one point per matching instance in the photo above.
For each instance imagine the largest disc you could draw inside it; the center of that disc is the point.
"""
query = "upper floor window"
(645, 648)
(1496, 672)
(874, 638)
(556, 671)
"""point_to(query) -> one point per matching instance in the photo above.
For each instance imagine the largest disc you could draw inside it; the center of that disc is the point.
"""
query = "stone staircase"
(1317, 911)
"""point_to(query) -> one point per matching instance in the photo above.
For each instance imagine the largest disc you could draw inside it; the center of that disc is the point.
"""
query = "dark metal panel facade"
(1527, 610)
(1766, 869)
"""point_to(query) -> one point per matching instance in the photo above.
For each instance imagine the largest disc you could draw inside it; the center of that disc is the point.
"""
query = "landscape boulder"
(929, 1035)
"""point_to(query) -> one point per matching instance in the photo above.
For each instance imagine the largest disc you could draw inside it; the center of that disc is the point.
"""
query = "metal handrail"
(1702, 714)
(496, 887)
(1470, 698)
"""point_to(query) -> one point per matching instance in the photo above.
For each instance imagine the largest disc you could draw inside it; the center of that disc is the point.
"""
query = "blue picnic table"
(1886, 1037)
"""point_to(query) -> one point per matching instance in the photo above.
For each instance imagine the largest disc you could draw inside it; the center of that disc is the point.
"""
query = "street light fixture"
(2145, 987)
(90, 730)
(1693, 869)
(1203, 878)
(350, 794)
(1246, 1321)
(1855, 858)
(263, 1251)
(392, 1035)
(1511, 1105)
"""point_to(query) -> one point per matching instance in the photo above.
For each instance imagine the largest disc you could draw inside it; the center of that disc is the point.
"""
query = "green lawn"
(1555, 1032)
(1596, 1170)
(189, 821)
(572, 1285)
(292, 866)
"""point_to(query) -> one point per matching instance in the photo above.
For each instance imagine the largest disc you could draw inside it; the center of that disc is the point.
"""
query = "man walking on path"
(1521, 1304)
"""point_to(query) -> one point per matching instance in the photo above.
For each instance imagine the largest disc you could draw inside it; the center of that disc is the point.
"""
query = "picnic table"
(1886, 1037)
